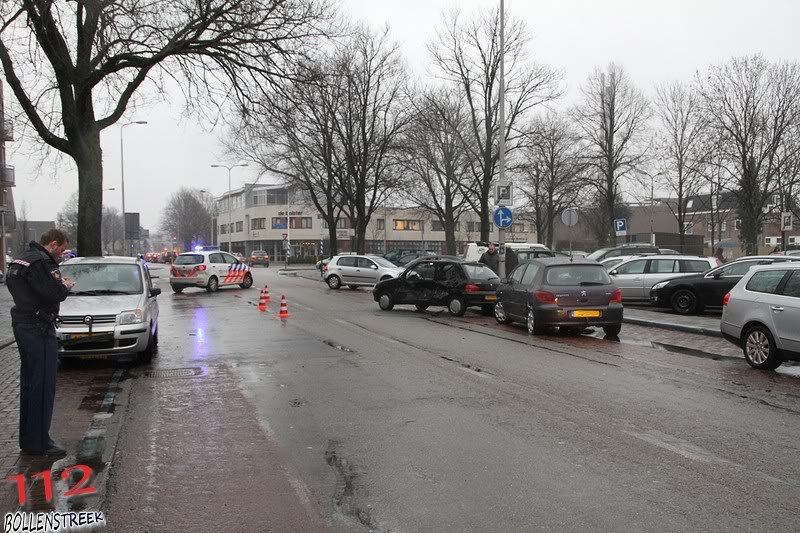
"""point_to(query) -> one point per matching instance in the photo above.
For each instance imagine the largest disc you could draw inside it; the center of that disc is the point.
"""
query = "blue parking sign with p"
(620, 227)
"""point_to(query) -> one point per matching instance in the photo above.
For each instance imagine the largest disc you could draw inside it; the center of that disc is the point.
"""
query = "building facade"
(255, 218)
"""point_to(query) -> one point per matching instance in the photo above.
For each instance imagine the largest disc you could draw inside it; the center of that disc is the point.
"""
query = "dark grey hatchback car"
(555, 291)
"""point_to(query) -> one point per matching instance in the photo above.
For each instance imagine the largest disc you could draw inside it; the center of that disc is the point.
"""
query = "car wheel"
(500, 314)
(533, 327)
(386, 301)
(612, 331)
(266, 265)
(248, 282)
(421, 307)
(759, 349)
(334, 282)
(177, 289)
(456, 306)
(213, 284)
(146, 356)
(684, 302)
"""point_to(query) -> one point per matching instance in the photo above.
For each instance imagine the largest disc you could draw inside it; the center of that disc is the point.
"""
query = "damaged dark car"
(451, 283)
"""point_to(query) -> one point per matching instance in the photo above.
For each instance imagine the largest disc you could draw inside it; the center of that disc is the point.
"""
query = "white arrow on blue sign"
(502, 217)
(620, 227)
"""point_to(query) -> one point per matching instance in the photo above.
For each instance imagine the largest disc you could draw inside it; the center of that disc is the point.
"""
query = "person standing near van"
(491, 258)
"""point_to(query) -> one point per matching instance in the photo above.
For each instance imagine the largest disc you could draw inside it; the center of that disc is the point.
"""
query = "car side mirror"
(412, 276)
(504, 281)
(155, 291)
(374, 267)
(717, 275)
(612, 273)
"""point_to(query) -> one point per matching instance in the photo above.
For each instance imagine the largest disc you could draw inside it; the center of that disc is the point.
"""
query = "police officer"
(38, 288)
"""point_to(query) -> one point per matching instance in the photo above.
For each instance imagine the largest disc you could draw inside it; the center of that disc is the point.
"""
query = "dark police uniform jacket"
(34, 282)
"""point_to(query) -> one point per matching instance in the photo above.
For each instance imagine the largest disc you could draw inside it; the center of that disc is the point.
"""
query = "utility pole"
(502, 232)
(122, 182)
(230, 202)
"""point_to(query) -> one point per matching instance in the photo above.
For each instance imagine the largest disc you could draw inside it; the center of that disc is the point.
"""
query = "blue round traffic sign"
(502, 217)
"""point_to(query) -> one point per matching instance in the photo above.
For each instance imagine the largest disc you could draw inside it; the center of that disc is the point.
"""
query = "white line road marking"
(679, 446)
(696, 453)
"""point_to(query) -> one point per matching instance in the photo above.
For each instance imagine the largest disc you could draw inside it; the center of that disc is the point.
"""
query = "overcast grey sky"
(656, 41)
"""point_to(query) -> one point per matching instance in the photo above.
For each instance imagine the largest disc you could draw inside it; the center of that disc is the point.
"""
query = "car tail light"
(726, 298)
(471, 287)
(616, 297)
(544, 297)
(173, 272)
(201, 268)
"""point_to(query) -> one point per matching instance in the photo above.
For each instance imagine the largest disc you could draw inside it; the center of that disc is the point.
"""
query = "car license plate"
(491, 297)
(588, 313)
(76, 336)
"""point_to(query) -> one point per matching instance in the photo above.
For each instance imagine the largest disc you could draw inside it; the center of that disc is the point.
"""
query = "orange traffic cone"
(284, 310)
(266, 292)
(262, 301)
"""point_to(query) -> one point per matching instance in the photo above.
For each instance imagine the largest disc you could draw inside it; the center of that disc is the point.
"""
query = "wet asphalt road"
(408, 421)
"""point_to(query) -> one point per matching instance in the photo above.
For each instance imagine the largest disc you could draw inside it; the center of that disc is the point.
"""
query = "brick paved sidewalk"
(6, 302)
(706, 324)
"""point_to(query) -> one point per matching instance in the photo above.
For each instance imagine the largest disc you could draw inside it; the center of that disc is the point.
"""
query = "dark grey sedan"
(560, 292)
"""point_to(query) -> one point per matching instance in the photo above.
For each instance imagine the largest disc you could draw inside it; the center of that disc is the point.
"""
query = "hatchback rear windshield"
(189, 259)
(480, 272)
(97, 279)
(564, 275)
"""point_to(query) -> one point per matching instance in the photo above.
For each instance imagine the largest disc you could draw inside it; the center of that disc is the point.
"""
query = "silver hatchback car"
(358, 270)
(111, 311)
(761, 314)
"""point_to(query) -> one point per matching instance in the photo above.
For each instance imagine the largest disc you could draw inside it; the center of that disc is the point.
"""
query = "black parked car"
(568, 293)
(693, 294)
(440, 282)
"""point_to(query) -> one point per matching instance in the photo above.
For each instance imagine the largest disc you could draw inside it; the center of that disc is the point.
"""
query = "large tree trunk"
(90, 195)
(610, 205)
(450, 235)
(484, 215)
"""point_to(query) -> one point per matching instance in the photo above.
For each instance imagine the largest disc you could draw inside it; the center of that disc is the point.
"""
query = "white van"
(475, 250)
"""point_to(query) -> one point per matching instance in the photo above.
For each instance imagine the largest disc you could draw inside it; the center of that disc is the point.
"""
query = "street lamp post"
(213, 214)
(122, 180)
(230, 202)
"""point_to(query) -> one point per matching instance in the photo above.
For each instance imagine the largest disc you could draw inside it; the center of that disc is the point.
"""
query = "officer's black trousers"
(38, 352)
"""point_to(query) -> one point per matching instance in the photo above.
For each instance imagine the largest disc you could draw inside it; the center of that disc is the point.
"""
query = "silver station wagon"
(761, 314)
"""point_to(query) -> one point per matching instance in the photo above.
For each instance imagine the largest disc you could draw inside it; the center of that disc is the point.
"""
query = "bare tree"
(466, 53)
(435, 162)
(370, 115)
(679, 147)
(613, 118)
(788, 179)
(186, 217)
(67, 218)
(74, 67)
(552, 170)
(752, 106)
(112, 229)
(293, 136)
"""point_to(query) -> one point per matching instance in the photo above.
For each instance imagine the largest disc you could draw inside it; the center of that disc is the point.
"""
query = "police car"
(208, 268)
